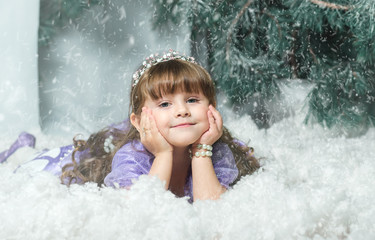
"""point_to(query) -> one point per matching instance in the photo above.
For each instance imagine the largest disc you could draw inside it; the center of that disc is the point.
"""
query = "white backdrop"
(19, 20)
(84, 73)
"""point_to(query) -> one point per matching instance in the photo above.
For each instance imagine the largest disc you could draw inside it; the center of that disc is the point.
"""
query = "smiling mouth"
(182, 125)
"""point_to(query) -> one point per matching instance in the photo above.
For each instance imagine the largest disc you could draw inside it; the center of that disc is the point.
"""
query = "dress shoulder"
(130, 161)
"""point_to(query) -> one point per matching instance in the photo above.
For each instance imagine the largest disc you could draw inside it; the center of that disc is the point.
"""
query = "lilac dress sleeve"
(224, 164)
(49, 160)
(129, 162)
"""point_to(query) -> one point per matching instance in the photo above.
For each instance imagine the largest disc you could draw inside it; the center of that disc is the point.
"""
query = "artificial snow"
(313, 184)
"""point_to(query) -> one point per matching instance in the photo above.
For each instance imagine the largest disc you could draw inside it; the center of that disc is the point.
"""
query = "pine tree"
(253, 44)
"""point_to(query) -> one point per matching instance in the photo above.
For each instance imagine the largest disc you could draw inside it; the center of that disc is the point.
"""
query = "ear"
(135, 120)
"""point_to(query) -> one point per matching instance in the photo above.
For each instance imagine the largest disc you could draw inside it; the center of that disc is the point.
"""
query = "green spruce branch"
(330, 5)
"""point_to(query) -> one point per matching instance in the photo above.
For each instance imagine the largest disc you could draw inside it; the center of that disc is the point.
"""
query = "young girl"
(174, 132)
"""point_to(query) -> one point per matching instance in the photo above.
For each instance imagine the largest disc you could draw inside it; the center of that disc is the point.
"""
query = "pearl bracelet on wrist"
(205, 153)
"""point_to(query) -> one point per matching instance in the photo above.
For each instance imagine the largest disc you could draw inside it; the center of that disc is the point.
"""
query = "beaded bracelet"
(205, 153)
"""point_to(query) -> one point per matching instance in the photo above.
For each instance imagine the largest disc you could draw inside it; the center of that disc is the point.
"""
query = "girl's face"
(180, 117)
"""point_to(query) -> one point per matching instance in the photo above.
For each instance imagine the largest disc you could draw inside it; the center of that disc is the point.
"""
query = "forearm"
(162, 167)
(205, 182)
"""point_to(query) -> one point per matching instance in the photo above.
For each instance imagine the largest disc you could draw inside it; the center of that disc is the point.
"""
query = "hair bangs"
(171, 78)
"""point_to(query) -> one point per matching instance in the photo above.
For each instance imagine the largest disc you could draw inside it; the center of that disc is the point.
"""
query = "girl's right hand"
(151, 138)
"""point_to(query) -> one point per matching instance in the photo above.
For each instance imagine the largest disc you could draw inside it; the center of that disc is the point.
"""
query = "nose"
(182, 111)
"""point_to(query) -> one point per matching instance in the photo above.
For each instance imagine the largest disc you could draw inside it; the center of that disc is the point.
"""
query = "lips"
(182, 125)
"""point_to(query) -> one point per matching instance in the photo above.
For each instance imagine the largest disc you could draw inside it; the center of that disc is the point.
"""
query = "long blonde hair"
(163, 78)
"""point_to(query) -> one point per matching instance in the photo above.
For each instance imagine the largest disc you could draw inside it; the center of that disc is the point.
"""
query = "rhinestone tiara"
(154, 59)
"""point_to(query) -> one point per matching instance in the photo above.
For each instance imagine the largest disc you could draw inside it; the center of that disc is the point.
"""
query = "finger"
(211, 120)
(144, 125)
(216, 114)
(153, 126)
(143, 118)
(146, 119)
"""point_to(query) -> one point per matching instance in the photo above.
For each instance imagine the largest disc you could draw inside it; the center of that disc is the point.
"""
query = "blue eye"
(164, 104)
(192, 100)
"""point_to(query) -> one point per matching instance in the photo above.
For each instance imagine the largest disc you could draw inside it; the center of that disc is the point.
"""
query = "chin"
(183, 142)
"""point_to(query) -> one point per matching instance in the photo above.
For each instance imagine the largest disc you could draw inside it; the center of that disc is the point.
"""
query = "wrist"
(200, 150)
(163, 154)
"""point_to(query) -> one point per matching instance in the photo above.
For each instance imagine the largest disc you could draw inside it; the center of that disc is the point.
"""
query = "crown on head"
(154, 59)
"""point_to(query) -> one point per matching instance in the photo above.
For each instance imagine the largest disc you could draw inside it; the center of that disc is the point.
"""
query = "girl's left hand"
(215, 127)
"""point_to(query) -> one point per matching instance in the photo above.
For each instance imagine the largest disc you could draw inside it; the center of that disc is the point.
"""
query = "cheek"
(161, 121)
(206, 123)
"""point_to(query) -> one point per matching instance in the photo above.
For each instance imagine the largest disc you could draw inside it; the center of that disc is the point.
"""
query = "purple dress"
(131, 161)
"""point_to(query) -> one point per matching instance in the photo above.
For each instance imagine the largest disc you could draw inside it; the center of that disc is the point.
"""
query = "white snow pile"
(313, 185)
